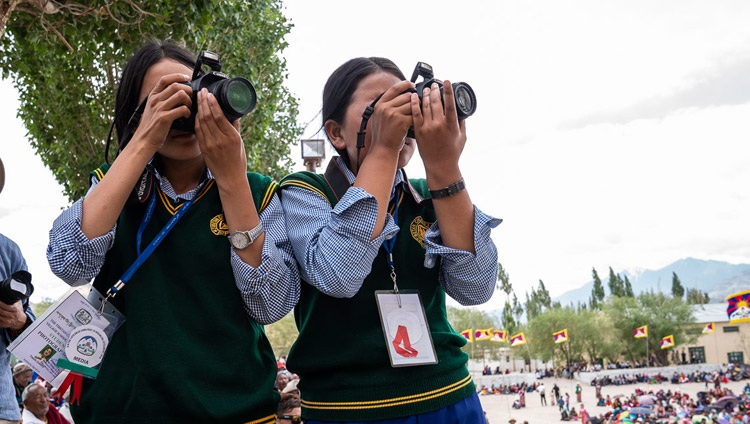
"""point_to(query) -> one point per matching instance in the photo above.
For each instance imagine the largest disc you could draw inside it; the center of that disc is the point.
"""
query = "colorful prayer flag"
(709, 328)
(738, 309)
(485, 334)
(468, 335)
(560, 336)
(499, 336)
(518, 340)
(667, 342)
(641, 332)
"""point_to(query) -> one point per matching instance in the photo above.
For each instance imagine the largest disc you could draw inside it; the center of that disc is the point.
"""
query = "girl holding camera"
(374, 246)
(192, 347)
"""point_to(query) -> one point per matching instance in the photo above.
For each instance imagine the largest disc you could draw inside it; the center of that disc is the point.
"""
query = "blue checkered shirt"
(335, 253)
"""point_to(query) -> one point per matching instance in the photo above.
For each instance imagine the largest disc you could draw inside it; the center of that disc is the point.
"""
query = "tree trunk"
(6, 9)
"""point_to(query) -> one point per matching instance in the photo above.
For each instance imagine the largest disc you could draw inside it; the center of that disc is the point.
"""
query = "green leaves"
(67, 97)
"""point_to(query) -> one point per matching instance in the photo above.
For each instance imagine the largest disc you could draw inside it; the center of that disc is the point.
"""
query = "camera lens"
(236, 97)
(466, 101)
(16, 287)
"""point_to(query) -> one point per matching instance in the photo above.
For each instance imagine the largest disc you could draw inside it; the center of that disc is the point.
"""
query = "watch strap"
(452, 189)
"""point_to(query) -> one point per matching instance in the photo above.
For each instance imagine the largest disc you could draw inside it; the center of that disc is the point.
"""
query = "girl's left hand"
(439, 134)
(219, 140)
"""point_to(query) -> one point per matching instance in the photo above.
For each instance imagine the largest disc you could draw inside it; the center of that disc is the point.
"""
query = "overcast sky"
(607, 133)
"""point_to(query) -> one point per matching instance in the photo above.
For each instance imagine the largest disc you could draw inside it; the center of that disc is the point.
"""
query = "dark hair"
(287, 402)
(129, 90)
(342, 83)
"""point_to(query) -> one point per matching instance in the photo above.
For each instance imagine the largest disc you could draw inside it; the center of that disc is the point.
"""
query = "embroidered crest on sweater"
(218, 226)
(418, 228)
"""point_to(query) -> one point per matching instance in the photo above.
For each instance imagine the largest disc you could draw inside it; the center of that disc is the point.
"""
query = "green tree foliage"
(540, 330)
(468, 318)
(664, 315)
(503, 280)
(40, 307)
(597, 291)
(695, 296)
(596, 333)
(65, 60)
(616, 286)
(677, 289)
(539, 301)
(628, 287)
(508, 320)
(282, 334)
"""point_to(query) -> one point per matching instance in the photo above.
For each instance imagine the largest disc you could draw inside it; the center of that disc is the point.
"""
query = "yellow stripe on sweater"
(173, 209)
(302, 184)
(268, 196)
(389, 403)
(265, 420)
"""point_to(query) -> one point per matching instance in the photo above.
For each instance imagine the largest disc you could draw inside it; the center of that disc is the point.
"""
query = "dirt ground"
(499, 410)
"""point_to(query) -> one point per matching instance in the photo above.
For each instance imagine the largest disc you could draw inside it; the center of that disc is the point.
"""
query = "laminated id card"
(71, 335)
(407, 335)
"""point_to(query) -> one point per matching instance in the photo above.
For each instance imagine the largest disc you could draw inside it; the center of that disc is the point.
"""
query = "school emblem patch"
(218, 226)
(418, 228)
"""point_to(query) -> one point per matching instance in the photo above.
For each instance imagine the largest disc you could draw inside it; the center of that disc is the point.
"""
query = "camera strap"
(142, 256)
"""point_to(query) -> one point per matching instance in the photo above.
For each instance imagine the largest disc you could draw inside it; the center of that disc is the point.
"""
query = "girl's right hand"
(166, 102)
(392, 118)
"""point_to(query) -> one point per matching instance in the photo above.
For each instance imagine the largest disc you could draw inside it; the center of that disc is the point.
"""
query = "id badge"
(71, 335)
(407, 334)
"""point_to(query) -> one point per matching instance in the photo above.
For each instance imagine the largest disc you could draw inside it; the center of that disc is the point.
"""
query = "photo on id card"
(407, 335)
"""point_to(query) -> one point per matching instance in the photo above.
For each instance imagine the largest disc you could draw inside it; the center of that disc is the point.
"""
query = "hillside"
(717, 278)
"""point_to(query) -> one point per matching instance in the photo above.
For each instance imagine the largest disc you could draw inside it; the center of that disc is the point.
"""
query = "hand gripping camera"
(466, 101)
(236, 96)
(16, 287)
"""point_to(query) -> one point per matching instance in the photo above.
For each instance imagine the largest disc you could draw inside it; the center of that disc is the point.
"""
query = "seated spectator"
(289, 409)
(37, 407)
(21, 378)
(282, 378)
(291, 387)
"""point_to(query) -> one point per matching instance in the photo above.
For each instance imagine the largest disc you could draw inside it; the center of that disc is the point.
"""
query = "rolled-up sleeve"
(333, 245)
(272, 289)
(469, 278)
(71, 255)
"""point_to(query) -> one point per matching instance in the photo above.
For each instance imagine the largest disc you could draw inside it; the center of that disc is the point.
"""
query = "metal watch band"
(249, 237)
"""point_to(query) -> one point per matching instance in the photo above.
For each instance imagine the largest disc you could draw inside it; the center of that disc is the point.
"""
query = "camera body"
(16, 287)
(236, 96)
(466, 100)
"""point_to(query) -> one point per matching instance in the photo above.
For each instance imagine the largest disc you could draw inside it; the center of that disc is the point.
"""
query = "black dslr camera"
(466, 101)
(236, 96)
(16, 287)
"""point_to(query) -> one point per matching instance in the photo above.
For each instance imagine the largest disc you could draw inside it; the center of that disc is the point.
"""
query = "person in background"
(196, 303)
(14, 318)
(365, 227)
(289, 409)
(37, 407)
(282, 378)
(22, 374)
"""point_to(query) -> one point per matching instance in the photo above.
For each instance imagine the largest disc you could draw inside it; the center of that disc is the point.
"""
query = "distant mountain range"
(718, 279)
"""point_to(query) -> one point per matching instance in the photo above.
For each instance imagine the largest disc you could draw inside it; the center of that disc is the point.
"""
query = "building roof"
(711, 312)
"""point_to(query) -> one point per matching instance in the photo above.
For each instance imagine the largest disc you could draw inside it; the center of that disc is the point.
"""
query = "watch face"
(239, 240)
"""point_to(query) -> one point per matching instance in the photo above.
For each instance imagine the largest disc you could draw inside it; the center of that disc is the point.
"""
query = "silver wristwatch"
(241, 239)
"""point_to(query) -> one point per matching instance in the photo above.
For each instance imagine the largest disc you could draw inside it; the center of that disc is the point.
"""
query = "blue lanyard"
(142, 256)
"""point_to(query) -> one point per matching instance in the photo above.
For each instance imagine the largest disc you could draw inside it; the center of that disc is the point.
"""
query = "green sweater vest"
(341, 355)
(188, 351)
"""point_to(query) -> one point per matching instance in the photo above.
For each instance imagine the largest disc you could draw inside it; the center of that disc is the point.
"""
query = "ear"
(335, 134)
